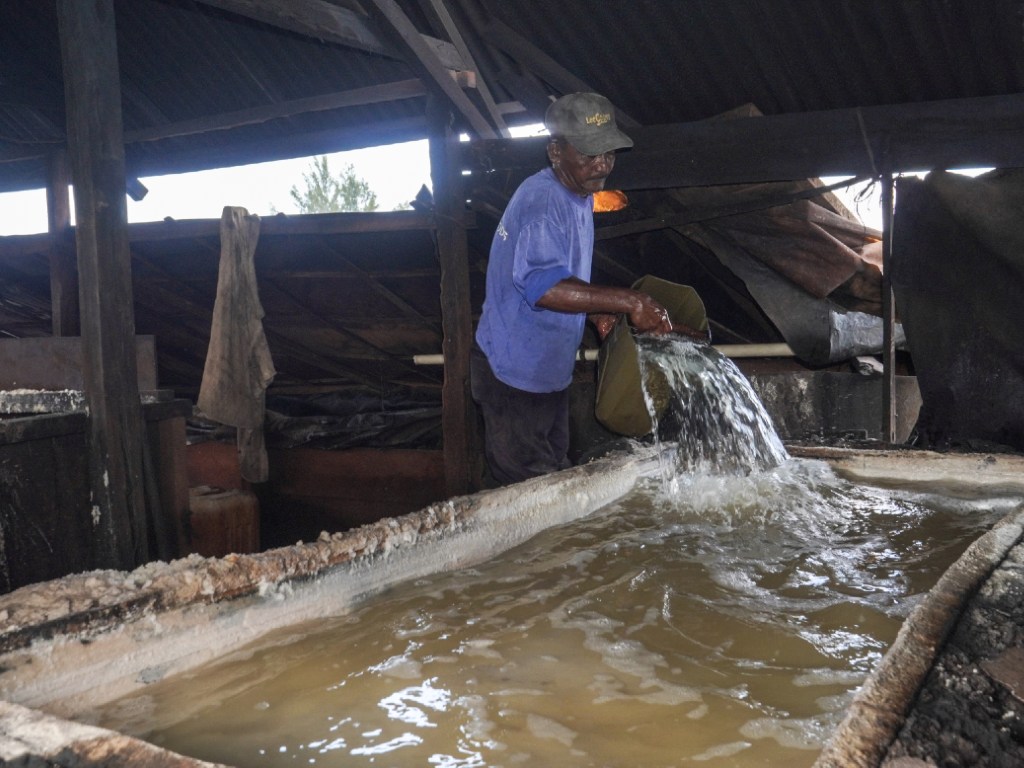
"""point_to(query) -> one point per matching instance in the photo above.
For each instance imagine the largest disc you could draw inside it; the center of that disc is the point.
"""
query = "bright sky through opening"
(394, 173)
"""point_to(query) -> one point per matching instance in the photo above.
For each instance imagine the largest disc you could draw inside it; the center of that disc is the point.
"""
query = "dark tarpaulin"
(958, 279)
(339, 420)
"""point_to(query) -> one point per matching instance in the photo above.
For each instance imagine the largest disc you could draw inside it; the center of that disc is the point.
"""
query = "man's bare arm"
(574, 295)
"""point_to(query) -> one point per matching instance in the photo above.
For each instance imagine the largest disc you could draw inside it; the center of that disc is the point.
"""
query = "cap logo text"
(598, 118)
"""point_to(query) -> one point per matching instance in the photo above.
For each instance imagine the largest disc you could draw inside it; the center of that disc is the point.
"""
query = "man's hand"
(649, 316)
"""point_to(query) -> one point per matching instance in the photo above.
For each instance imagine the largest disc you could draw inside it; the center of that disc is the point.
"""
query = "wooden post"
(96, 150)
(458, 417)
(63, 270)
(888, 317)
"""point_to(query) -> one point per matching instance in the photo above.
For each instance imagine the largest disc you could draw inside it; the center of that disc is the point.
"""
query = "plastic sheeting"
(337, 420)
(344, 419)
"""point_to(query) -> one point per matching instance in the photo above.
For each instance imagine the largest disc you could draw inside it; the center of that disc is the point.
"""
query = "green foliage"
(326, 193)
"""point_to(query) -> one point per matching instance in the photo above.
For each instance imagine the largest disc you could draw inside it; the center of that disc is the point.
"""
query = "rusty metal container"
(223, 521)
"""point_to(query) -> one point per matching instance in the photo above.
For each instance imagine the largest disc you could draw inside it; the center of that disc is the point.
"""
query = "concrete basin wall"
(81, 641)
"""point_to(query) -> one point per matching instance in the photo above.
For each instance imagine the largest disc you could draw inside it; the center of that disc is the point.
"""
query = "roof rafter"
(296, 145)
(455, 34)
(374, 94)
(424, 61)
(331, 23)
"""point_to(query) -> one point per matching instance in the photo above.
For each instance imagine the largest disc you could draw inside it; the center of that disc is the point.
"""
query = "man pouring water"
(539, 295)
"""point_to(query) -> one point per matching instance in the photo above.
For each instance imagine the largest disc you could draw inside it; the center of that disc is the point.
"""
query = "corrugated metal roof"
(665, 62)
(660, 61)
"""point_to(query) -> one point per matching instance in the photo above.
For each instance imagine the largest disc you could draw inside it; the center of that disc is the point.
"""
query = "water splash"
(700, 400)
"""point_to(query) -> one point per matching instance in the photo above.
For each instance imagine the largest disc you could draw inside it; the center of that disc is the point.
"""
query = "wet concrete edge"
(880, 707)
(29, 737)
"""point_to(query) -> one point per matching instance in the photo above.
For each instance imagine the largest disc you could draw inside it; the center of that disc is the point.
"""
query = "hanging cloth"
(238, 366)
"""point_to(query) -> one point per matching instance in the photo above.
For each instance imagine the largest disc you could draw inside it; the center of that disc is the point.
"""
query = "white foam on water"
(401, 667)
(722, 750)
(826, 677)
(410, 705)
(546, 728)
(795, 733)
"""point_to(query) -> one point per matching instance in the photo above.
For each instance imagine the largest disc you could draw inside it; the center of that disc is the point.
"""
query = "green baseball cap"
(587, 121)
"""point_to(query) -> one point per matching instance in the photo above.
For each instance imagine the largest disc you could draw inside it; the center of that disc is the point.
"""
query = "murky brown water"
(725, 626)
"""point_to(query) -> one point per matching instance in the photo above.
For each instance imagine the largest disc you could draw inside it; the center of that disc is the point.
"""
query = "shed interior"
(737, 109)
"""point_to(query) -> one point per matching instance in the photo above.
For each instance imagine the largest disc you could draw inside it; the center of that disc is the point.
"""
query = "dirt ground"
(970, 711)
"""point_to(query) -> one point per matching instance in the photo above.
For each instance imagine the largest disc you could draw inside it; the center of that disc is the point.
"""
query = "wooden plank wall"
(47, 523)
(45, 517)
(311, 490)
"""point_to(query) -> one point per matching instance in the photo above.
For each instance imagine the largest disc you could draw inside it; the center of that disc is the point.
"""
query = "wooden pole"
(95, 146)
(63, 270)
(458, 416)
(888, 317)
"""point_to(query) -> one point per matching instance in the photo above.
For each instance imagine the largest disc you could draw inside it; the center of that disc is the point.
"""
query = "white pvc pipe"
(756, 350)
(729, 350)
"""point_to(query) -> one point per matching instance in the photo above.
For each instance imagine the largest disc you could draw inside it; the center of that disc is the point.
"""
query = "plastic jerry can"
(222, 521)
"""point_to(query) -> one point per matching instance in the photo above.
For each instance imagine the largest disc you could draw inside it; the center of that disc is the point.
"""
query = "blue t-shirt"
(545, 235)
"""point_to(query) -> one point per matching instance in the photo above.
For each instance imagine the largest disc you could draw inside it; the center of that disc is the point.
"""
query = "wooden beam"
(458, 416)
(957, 133)
(888, 317)
(528, 91)
(324, 322)
(331, 23)
(747, 200)
(63, 269)
(284, 148)
(381, 290)
(54, 363)
(95, 145)
(920, 136)
(455, 35)
(12, 246)
(423, 59)
(240, 153)
(374, 94)
(318, 224)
